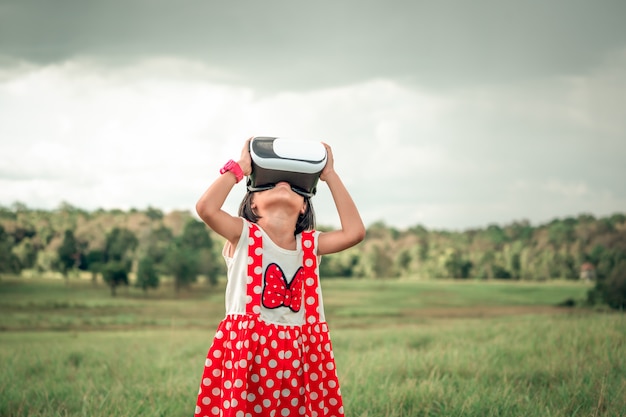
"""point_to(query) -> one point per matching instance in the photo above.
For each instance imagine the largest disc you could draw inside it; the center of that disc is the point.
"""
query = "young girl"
(272, 354)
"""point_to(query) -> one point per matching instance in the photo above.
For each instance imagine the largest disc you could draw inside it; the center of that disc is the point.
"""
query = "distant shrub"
(611, 290)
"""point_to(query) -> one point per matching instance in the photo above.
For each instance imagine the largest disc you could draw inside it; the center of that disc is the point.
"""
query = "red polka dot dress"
(272, 355)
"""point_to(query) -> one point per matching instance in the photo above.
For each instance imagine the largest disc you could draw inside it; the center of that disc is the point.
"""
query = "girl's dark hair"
(306, 221)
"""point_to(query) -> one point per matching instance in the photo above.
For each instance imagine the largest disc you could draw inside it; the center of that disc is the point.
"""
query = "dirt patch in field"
(487, 311)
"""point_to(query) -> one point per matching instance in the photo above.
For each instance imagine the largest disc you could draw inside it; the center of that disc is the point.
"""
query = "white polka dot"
(198, 409)
(239, 414)
(228, 384)
(216, 391)
(243, 363)
(333, 401)
(308, 263)
(296, 363)
(234, 402)
(248, 299)
(228, 364)
(274, 344)
(257, 289)
(208, 362)
(206, 401)
(310, 282)
(263, 372)
(219, 334)
(249, 280)
(269, 383)
(258, 251)
(258, 408)
(307, 243)
(215, 411)
(310, 301)
(258, 270)
(256, 309)
(286, 392)
(217, 373)
(226, 404)
(285, 412)
(206, 382)
(255, 378)
(267, 402)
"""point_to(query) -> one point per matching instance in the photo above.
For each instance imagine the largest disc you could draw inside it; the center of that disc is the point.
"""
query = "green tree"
(183, 264)
(118, 254)
(196, 240)
(68, 254)
(120, 243)
(147, 276)
(115, 273)
(94, 263)
(26, 251)
(614, 289)
(456, 265)
(9, 263)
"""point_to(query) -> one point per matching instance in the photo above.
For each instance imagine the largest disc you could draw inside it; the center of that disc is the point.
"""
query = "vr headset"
(297, 162)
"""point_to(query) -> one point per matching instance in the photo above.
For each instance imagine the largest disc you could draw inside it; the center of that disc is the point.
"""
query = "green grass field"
(402, 349)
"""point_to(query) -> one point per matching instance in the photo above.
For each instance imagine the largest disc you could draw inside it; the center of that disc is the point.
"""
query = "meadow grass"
(402, 349)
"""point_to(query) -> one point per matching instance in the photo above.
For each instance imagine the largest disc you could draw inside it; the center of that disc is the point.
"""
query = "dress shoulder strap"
(311, 278)
(254, 280)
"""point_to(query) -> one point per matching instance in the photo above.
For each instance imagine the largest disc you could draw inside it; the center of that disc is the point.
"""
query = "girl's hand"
(329, 168)
(245, 161)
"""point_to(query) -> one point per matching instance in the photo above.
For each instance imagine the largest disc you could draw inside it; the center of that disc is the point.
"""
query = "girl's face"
(280, 196)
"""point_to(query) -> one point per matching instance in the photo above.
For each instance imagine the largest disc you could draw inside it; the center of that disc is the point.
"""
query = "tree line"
(149, 244)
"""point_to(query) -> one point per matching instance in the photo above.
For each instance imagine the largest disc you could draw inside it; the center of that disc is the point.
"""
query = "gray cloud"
(302, 45)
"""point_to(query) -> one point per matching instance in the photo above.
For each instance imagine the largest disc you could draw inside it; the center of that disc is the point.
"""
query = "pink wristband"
(232, 166)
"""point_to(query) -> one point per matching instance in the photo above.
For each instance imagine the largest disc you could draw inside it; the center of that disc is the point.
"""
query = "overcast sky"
(448, 114)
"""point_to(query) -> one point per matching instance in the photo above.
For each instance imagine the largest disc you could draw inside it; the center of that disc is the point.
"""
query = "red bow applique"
(278, 292)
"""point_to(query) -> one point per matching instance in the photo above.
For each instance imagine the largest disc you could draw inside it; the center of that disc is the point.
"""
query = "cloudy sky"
(448, 114)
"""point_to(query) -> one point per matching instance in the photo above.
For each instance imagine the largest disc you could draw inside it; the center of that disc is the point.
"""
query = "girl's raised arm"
(209, 206)
(352, 229)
